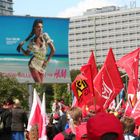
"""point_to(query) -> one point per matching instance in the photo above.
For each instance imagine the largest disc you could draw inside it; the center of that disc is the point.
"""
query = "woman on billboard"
(39, 42)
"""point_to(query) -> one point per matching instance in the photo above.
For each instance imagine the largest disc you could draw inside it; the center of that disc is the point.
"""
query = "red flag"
(81, 90)
(86, 71)
(89, 70)
(38, 116)
(43, 120)
(136, 112)
(34, 118)
(91, 61)
(107, 83)
(83, 84)
(130, 63)
(128, 109)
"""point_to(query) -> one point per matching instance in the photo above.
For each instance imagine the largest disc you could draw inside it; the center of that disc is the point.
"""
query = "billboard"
(14, 29)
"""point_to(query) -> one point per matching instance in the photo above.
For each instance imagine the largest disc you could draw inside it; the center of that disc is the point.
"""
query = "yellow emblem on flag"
(80, 86)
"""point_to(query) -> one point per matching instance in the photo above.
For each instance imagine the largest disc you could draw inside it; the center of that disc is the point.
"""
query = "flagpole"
(30, 99)
(124, 75)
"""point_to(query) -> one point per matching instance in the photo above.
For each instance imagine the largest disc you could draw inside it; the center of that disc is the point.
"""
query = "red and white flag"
(112, 105)
(130, 63)
(34, 118)
(44, 120)
(107, 83)
(74, 102)
(38, 116)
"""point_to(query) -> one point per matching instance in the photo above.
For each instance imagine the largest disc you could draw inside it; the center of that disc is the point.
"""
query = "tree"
(10, 88)
(61, 92)
(74, 73)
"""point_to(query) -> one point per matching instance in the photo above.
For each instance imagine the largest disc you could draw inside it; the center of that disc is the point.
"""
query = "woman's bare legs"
(37, 76)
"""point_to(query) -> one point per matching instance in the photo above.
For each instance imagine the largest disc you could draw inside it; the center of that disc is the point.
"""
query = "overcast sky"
(63, 8)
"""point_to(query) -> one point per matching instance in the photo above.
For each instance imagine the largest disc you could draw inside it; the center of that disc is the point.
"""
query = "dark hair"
(67, 136)
(33, 27)
(10, 101)
(109, 136)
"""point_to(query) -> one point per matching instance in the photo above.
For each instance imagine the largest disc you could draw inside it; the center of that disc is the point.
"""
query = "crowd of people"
(14, 120)
(68, 123)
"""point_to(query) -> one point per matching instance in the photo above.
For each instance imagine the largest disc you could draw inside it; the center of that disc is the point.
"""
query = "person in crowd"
(55, 107)
(33, 133)
(129, 127)
(19, 121)
(104, 126)
(2, 109)
(52, 128)
(7, 119)
(74, 116)
(38, 45)
(63, 121)
(56, 118)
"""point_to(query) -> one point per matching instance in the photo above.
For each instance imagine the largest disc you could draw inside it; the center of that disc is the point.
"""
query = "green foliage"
(61, 92)
(74, 73)
(10, 88)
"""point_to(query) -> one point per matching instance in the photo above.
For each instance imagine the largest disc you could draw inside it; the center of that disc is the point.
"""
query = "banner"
(130, 63)
(82, 92)
(107, 83)
(14, 64)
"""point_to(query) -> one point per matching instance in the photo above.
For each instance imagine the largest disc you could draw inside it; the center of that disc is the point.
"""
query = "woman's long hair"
(31, 33)
(33, 28)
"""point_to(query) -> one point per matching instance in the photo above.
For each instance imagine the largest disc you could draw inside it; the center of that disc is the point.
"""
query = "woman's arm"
(50, 55)
(19, 48)
(25, 52)
(52, 51)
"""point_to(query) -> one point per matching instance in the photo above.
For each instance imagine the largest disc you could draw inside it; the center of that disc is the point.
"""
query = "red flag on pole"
(86, 71)
(136, 113)
(89, 70)
(130, 63)
(34, 118)
(82, 91)
(107, 83)
(92, 61)
(38, 116)
(44, 120)
(83, 84)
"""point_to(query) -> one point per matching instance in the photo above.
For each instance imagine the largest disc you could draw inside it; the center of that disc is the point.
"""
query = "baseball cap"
(103, 123)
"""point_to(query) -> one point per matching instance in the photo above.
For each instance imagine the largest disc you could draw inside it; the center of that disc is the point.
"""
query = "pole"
(30, 99)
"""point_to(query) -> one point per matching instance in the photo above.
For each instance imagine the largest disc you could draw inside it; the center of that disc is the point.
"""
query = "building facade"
(6, 7)
(100, 29)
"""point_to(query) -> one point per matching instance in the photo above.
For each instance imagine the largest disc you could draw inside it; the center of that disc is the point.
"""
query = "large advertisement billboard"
(15, 30)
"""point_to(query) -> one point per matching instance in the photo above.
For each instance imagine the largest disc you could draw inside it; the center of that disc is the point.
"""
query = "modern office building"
(6, 7)
(100, 29)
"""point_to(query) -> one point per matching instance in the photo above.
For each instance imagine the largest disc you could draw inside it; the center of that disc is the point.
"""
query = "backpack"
(69, 136)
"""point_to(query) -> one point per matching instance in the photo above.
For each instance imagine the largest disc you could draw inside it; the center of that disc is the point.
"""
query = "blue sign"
(14, 29)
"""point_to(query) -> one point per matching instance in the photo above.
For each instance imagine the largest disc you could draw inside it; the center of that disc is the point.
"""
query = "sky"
(63, 8)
